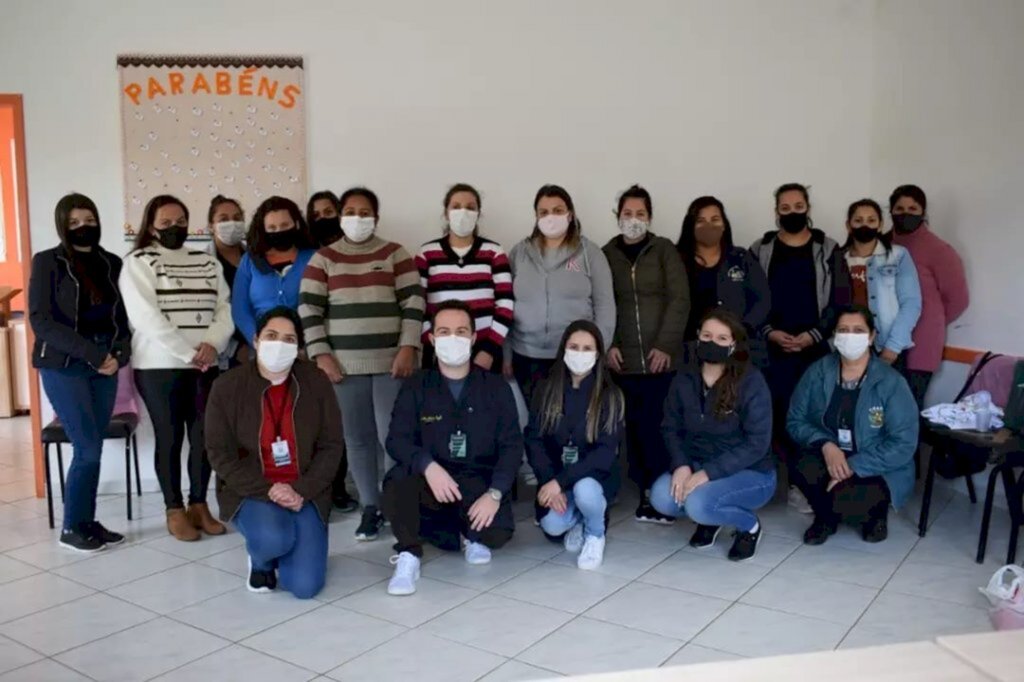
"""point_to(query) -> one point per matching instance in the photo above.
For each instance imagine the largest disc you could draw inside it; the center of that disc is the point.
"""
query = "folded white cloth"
(963, 416)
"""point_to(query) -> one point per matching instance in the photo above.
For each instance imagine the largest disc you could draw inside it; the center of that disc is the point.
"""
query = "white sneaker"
(574, 539)
(592, 555)
(797, 501)
(477, 554)
(407, 572)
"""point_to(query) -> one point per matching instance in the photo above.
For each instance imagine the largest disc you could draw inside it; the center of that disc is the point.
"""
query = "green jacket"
(652, 298)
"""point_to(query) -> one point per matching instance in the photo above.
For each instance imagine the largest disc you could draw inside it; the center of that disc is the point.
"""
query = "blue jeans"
(293, 542)
(728, 501)
(586, 505)
(83, 400)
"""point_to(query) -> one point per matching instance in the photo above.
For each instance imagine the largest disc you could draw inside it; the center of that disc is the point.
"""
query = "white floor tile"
(325, 638)
(380, 551)
(403, 658)
(496, 624)
(517, 671)
(529, 541)
(706, 575)
(675, 536)
(906, 617)
(238, 664)
(346, 576)
(782, 520)
(177, 588)
(14, 655)
(453, 568)
(110, 569)
(942, 582)
(48, 555)
(623, 558)
(75, 623)
(11, 569)
(561, 587)
(432, 598)
(753, 631)
(590, 646)
(142, 652)
(239, 614)
(26, 533)
(46, 670)
(206, 546)
(772, 550)
(35, 593)
(12, 514)
(694, 653)
(659, 610)
(20, 490)
(957, 549)
(844, 565)
(232, 561)
(804, 595)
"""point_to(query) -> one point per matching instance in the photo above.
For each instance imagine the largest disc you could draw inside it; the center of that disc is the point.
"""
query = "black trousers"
(176, 402)
(529, 373)
(416, 515)
(645, 447)
(783, 373)
(856, 500)
(918, 380)
(338, 488)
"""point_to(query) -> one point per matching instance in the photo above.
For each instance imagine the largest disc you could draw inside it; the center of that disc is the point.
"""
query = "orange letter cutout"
(290, 92)
(200, 84)
(267, 88)
(223, 83)
(133, 91)
(245, 82)
(176, 79)
(154, 88)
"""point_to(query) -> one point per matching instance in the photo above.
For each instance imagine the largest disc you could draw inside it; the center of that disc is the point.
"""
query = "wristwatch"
(495, 494)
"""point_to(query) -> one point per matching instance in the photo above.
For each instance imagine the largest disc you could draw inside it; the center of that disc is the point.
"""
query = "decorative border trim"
(223, 61)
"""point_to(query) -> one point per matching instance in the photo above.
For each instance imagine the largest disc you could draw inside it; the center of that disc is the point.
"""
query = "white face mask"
(462, 221)
(580, 361)
(633, 228)
(277, 356)
(357, 229)
(230, 232)
(553, 226)
(453, 351)
(852, 346)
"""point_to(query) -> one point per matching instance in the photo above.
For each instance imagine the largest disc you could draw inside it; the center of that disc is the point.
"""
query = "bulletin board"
(198, 126)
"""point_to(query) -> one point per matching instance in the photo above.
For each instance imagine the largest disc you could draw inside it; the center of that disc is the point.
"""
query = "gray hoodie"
(554, 291)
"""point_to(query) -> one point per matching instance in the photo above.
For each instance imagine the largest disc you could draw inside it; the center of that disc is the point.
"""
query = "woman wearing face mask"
(653, 301)
(718, 429)
(944, 295)
(808, 279)
(269, 276)
(82, 340)
(226, 223)
(464, 266)
(177, 304)
(882, 278)
(323, 217)
(572, 443)
(362, 306)
(558, 276)
(274, 439)
(722, 275)
(856, 423)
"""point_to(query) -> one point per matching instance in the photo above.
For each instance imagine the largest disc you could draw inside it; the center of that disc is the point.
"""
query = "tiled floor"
(159, 609)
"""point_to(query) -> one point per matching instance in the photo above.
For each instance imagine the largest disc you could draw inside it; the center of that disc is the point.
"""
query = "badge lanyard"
(279, 447)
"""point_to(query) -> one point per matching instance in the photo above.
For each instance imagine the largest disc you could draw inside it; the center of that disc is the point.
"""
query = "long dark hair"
(572, 237)
(687, 244)
(884, 237)
(736, 366)
(62, 216)
(606, 406)
(145, 237)
(257, 238)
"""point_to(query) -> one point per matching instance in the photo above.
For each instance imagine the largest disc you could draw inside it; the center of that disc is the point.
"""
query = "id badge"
(282, 454)
(457, 445)
(570, 454)
(845, 439)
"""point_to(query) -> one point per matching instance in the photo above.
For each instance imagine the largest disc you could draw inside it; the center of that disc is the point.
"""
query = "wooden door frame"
(16, 102)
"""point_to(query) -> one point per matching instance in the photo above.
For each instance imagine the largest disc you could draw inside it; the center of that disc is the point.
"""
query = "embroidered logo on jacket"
(736, 274)
(430, 418)
(876, 417)
(573, 265)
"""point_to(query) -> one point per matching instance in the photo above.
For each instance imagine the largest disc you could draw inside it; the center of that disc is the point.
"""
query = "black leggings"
(176, 402)
(645, 447)
(856, 500)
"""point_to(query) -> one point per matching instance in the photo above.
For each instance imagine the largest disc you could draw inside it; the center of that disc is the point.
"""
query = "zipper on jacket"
(636, 306)
(78, 294)
(117, 301)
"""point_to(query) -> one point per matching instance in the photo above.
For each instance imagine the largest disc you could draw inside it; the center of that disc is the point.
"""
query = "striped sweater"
(482, 279)
(361, 302)
(175, 300)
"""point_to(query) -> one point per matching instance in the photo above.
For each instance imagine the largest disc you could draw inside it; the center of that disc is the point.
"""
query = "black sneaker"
(645, 513)
(344, 503)
(261, 582)
(369, 527)
(875, 530)
(819, 531)
(745, 545)
(79, 541)
(104, 535)
(704, 536)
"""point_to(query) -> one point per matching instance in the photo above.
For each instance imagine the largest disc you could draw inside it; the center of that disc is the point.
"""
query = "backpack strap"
(988, 357)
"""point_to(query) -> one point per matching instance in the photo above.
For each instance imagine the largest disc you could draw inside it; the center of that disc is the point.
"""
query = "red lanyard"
(277, 419)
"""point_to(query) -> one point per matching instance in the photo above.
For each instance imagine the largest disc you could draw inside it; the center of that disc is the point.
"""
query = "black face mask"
(864, 234)
(793, 222)
(172, 237)
(711, 352)
(281, 241)
(326, 230)
(85, 236)
(905, 223)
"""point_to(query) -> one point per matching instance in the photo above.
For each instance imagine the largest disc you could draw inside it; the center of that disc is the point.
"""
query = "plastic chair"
(123, 424)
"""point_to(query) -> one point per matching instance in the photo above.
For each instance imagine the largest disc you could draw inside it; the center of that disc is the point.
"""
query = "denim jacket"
(894, 297)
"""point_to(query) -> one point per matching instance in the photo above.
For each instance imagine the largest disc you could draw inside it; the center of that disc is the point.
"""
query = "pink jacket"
(944, 294)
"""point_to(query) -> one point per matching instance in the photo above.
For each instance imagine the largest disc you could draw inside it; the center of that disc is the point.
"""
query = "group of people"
(301, 349)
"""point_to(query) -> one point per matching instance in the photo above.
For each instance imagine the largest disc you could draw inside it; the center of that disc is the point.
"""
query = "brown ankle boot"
(178, 525)
(200, 517)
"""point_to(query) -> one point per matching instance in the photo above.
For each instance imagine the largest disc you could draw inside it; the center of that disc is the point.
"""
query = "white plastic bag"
(1005, 591)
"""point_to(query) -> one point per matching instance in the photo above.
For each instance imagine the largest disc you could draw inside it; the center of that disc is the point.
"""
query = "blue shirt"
(258, 290)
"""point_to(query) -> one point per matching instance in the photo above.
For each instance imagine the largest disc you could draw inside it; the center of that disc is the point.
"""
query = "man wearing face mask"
(274, 439)
(456, 439)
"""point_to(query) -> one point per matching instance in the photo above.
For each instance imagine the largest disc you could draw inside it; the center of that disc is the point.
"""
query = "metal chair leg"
(135, 456)
(128, 475)
(60, 469)
(969, 479)
(926, 497)
(986, 516)
(49, 483)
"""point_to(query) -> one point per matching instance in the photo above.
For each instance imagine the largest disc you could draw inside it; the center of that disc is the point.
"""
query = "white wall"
(727, 97)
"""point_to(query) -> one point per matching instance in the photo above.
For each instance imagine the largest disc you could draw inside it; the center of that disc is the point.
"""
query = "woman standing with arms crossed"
(177, 303)
(82, 340)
